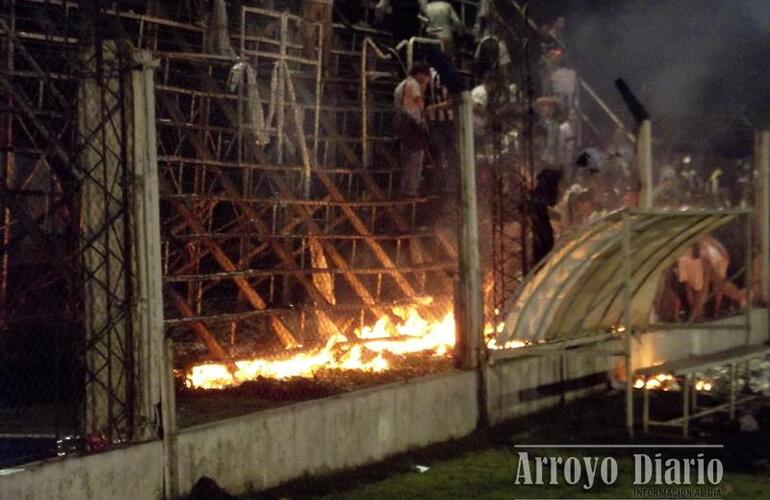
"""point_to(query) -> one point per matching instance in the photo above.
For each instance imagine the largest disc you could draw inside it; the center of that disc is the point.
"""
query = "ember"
(373, 351)
(667, 382)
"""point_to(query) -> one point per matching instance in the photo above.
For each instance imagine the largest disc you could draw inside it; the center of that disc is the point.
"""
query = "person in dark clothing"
(544, 196)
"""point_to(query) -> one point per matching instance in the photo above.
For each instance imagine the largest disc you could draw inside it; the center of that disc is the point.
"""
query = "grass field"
(484, 465)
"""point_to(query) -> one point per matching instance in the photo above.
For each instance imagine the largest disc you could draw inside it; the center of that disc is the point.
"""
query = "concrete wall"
(656, 347)
(267, 448)
(520, 386)
(129, 473)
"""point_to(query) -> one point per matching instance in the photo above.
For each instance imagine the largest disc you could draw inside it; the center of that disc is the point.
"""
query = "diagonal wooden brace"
(200, 329)
(327, 324)
(224, 261)
(303, 212)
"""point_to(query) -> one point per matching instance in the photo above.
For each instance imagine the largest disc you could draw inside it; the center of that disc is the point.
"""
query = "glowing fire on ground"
(369, 351)
(667, 382)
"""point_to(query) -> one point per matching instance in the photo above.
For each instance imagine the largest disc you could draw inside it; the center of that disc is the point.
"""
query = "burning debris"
(715, 380)
(667, 382)
(375, 349)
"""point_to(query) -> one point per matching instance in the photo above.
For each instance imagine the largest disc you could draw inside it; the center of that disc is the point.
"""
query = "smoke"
(689, 61)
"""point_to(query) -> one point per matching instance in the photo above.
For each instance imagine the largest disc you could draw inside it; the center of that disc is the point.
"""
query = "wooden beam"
(224, 261)
(285, 193)
(200, 329)
(328, 326)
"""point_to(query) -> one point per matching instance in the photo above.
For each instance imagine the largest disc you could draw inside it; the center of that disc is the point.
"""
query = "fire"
(405, 332)
(661, 381)
(491, 333)
(667, 382)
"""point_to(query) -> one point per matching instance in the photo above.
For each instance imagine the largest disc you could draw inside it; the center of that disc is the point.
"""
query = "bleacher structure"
(281, 224)
(274, 232)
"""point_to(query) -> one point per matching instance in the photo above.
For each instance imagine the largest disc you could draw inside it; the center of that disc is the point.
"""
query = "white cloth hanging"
(255, 113)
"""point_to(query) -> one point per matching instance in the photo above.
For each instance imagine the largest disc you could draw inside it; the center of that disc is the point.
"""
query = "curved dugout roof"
(579, 290)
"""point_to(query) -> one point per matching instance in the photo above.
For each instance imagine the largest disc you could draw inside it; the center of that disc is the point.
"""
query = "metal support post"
(733, 383)
(469, 306)
(762, 204)
(646, 412)
(644, 163)
(694, 399)
(145, 222)
(686, 415)
(627, 288)
(749, 276)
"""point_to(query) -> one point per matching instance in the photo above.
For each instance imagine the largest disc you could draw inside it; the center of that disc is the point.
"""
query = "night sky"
(702, 67)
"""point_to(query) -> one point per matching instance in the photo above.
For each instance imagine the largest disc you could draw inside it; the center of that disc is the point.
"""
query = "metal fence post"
(644, 163)
(469, 307)
(762, 207)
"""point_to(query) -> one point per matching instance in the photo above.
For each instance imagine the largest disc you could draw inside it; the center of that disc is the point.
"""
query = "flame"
(404, 332)
(667, 382)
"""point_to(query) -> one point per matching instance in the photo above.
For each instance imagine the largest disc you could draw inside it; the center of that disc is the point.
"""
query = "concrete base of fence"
(656, 347)
(267, 448)
(128, 473)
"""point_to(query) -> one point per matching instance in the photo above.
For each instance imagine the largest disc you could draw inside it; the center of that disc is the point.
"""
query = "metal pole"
(646, 412)
(749, 276)
(627, 288)
(686, 415)
(319, 89)
(282, 87)
(644, 163)
(469, 307)
(364, 106)
(732, 391)
(762, 206)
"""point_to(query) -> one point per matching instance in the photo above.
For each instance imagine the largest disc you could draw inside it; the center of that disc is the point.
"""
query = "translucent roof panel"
(579, 289)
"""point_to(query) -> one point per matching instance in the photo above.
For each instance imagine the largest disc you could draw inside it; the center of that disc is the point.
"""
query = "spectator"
(442, 23)
(703, 268)
(548, 63)
(411, 126)
(490, 103)
(668, 304)
(668, 193)
(441, 126)
(548, 153)
(568, 139)
(563, 83)
(719, 259)
(544, 196)
(583, 207)
(483, 18)
(491, 55)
